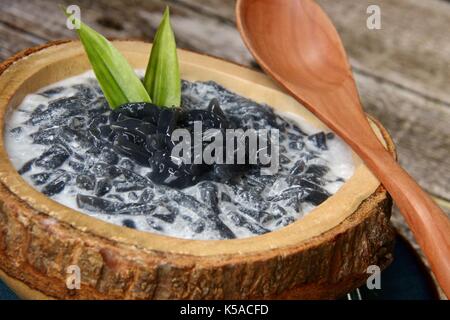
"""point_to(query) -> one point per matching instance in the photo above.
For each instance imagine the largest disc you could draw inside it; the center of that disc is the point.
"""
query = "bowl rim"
(37, 68)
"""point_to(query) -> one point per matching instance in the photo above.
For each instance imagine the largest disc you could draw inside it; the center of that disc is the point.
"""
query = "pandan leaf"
(162, 77)
(116, 77)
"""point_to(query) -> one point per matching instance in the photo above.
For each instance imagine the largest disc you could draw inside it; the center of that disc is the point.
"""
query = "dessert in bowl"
(309, 231)
(68, 143)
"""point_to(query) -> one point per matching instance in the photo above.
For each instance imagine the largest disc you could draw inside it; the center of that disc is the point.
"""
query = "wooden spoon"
(295, 42)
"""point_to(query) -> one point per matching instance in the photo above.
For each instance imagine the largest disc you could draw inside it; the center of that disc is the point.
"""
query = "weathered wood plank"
(402, 51)
(194, 30)
(12, 41)
(224, 9)
(411, 49)
(420, 129)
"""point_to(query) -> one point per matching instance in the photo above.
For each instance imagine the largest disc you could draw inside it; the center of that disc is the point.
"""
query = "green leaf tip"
(162, 77)
(116, 77)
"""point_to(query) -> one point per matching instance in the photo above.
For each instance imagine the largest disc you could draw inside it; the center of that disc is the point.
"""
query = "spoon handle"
(428, 222)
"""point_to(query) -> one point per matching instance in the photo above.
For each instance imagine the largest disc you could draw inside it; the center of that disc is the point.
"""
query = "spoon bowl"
(297, 45)
(313, 49)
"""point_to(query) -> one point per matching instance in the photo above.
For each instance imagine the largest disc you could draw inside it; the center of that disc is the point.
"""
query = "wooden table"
(402, 70)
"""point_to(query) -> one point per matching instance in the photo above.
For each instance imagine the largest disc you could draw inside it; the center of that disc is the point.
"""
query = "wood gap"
(15, 28)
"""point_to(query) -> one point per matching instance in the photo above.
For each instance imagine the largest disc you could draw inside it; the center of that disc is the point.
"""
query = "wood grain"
(419, 128)
(411, 49)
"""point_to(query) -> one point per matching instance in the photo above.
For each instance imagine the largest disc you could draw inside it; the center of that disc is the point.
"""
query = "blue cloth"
(6, 293)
